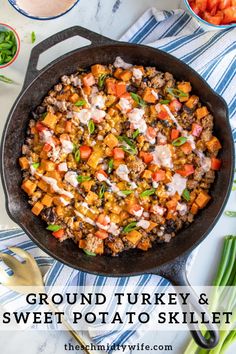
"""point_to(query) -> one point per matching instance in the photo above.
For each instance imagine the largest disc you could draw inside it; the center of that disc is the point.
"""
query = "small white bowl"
(19, 6)
(203, 22)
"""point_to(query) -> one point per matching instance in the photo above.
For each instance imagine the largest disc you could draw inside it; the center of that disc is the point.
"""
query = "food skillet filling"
(119, 156)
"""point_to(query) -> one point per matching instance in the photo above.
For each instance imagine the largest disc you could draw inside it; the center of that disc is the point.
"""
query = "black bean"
(40, 110)
(187, 109)
(170, 226)
(49, 215)
(151, 148)
(132, 88)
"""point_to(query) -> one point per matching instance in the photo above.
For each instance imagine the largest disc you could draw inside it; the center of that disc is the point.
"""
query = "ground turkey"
(136, 166)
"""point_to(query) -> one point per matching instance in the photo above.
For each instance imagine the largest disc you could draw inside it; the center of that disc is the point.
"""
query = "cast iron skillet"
(168, 260)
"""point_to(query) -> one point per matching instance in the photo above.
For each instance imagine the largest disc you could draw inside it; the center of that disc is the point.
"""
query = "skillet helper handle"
(94, 38)
(73, 333)
(175, 272)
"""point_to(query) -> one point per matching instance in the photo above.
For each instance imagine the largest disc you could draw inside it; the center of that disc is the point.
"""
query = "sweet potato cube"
(48, 165)
(192, 102)
(213, 144)
(50, 120)
(98, 70)
(91, 198)
(47, 200)
(202, 112)
(148, 95)
(194, 209)
(43, 185)
(134, 237)
(202, 199)
(151, 226)
(117, 72)
(111, 86)
(60, 210)
(37, 208)
(29, 186)
(147, 174)
(24, 163)
(74, 98)
(94, 158)
(185, 87)
(87, 185)
(144, 245)
(111, 141)
(100, 248)
(125, 75)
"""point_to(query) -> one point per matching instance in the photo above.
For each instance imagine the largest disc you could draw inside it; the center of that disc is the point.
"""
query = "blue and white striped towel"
(212, 54)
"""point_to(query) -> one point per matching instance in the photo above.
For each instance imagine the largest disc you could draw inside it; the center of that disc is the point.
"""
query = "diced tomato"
(196, 129)
(175, 105)
(223, 4)
(102, 234)
(85, 152)
(211, 4)
(151, 132)
(59, 233)
(215, 164)
(103, 219)
(159, 175)
(229, 15)
(120, 88)
(215, 20)
(201, 4)
(146, 156)
(186, 148)
(195, 8)
(68, 126)
(174, 134)
(47, 147)
(40, 127)
(118, 154)
(135, 209)
(186, 171)
(162, 114)
(101, 172)
(88, 80)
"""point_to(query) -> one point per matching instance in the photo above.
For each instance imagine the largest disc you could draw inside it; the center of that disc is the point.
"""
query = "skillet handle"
(94, 38)
(175, 272)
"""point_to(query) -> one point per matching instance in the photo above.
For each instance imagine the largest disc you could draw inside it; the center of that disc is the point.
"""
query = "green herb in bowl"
(9, 45)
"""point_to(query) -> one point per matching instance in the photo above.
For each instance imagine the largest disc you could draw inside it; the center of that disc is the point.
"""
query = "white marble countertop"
(111, 18)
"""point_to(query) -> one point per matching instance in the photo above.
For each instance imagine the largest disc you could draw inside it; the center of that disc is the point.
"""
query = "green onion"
(130, 227)
(110, 166)
(80, 103)
(138, 99)
(135, 134)
(164, 101)
(44, 114)
(176, 92)
(89, 253)
(81, 178)
(35, 165)
(91, 126)
(77, 155)
(225, 278)
(131, 148)
(54, 227)
(102, 190)
(232, 214)
(101, 80)
(179, 141)
(186, 195)
(8, 47)
(234, 188)
(147, 193)
(33, 37)
(127, 192)
(6, 79)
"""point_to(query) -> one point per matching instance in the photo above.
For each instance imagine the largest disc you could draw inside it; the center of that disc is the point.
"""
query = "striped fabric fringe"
(210, 53)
